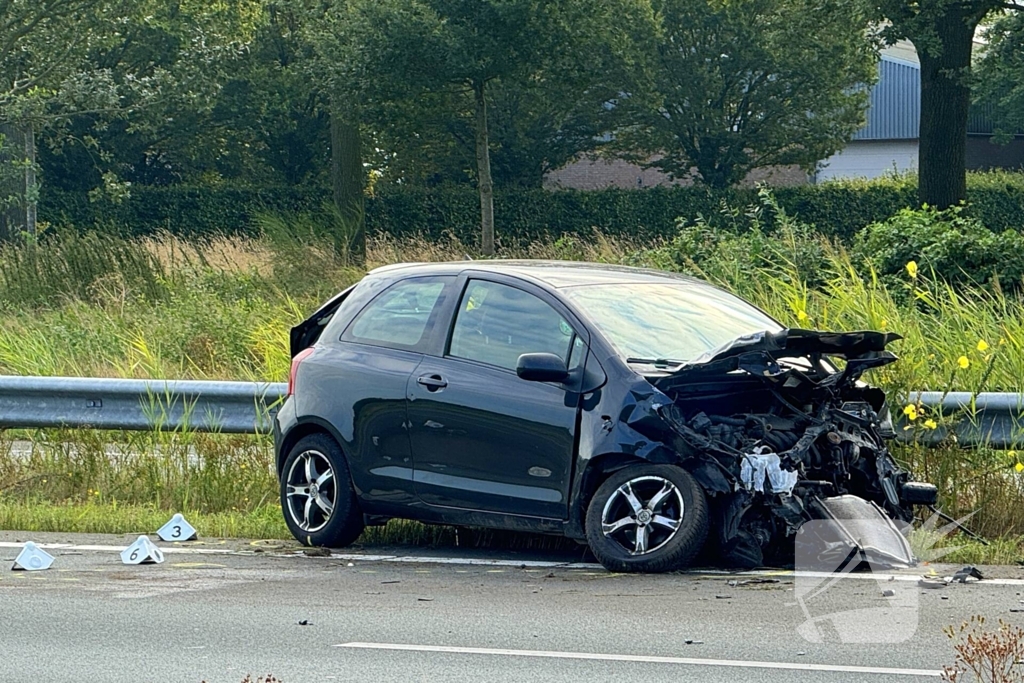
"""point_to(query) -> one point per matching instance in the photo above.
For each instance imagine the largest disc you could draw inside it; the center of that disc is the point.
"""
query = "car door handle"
(432, 382)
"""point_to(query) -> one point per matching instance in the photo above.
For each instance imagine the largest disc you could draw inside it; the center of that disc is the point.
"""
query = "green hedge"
(839, 209)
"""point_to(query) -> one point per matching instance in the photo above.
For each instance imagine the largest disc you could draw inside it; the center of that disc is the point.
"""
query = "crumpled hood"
(778, 437)
(798, 342)
(758, 354)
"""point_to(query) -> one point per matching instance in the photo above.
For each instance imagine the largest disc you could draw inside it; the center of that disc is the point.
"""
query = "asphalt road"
(220, 610)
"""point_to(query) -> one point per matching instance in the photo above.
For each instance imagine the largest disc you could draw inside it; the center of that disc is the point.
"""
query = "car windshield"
(650, 322)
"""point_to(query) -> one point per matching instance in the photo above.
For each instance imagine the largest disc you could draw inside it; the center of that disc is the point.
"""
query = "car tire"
(317, 499)
(662, 503)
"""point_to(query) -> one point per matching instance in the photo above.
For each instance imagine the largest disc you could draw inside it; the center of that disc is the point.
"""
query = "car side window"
(495, 324)
(400, 316)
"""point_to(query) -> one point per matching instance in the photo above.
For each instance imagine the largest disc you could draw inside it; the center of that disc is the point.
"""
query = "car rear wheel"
(647, 518)
(317, 499)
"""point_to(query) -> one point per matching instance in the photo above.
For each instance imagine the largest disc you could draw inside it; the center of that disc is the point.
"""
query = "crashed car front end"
(779, 431)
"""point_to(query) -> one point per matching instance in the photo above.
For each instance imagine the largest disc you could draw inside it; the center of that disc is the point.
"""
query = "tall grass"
(222, 309)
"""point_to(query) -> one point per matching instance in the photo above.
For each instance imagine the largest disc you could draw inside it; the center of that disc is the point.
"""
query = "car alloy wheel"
(311, 491)
(643, 514)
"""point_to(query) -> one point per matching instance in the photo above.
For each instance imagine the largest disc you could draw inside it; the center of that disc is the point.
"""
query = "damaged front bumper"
(779, 431)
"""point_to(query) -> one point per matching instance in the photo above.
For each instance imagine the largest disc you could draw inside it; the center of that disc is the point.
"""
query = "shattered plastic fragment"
(759, 464)
(969, 572)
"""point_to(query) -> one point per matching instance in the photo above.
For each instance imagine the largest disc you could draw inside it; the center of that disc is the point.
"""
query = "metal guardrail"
(995, 420)
(133, 404)
(987, 419)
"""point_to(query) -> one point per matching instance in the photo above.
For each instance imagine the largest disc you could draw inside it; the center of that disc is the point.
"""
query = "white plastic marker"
(177, 530)
(142, 551)
(32, 558)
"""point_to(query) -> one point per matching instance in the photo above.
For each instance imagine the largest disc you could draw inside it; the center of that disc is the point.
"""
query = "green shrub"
(836, 209)
(955, 246)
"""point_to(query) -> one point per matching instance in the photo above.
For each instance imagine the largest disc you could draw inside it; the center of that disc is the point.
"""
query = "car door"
(362, 379)
(482, 438)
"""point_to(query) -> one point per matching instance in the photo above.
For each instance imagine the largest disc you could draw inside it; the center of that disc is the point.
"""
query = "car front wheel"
(317, 499)
(647, 518)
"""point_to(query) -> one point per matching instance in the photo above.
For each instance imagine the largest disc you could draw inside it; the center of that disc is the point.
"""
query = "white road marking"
(119, 548)
(645, 659)
(913, 576)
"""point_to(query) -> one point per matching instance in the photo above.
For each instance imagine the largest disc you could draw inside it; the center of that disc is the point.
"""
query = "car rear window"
(400, 315)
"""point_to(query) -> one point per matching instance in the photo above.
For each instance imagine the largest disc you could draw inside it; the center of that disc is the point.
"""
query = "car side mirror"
(541, 367)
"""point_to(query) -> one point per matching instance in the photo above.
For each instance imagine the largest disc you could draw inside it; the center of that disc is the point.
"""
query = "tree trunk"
(483, 172)
(945, 104)
(31, 191)
(17, 181)
(347, 188)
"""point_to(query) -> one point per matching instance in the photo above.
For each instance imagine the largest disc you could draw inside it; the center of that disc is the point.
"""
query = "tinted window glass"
(399, 315)
(497, 323)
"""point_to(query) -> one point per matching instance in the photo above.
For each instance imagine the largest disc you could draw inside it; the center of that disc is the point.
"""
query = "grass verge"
(110, 518)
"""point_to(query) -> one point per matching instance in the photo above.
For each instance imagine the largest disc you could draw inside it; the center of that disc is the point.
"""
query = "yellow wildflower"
(1019, 467)
(983, 346)
(801, 316)
(963, 362)
(910, 411)
(930, 424)
(912, 268)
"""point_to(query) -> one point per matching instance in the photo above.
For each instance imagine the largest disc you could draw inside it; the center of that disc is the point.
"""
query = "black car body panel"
(445, 439)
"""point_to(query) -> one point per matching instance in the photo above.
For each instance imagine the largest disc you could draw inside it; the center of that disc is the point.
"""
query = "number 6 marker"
(142, 551)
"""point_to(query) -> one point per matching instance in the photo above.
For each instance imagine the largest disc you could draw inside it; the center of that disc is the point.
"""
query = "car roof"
(556, 274)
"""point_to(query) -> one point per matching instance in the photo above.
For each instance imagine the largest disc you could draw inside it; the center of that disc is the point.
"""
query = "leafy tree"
(393, 57)
(40, 41)
(1000, 75)
(250, 116)
(943, 33)
(78, 66)
(733, 85)
(535, 127)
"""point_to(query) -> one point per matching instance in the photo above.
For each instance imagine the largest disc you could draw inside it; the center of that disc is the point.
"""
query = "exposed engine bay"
(779, 430)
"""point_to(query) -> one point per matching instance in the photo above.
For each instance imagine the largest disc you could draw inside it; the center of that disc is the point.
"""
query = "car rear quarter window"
(401, 316)
(497, 323)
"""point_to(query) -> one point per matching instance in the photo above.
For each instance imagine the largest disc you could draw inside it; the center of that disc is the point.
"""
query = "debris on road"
(316, 552)
(751, 582)
(962, 575)
(888, 593)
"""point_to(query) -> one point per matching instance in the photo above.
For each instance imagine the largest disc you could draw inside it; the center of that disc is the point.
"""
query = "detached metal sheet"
(866, 528)
(894, 112)
(164, 405)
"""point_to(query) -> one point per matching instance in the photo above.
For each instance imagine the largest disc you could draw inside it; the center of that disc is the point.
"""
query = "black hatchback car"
(645, 413)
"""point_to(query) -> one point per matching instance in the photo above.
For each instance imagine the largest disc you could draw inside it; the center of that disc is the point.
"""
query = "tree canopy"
(413, 65)
(734, 85)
